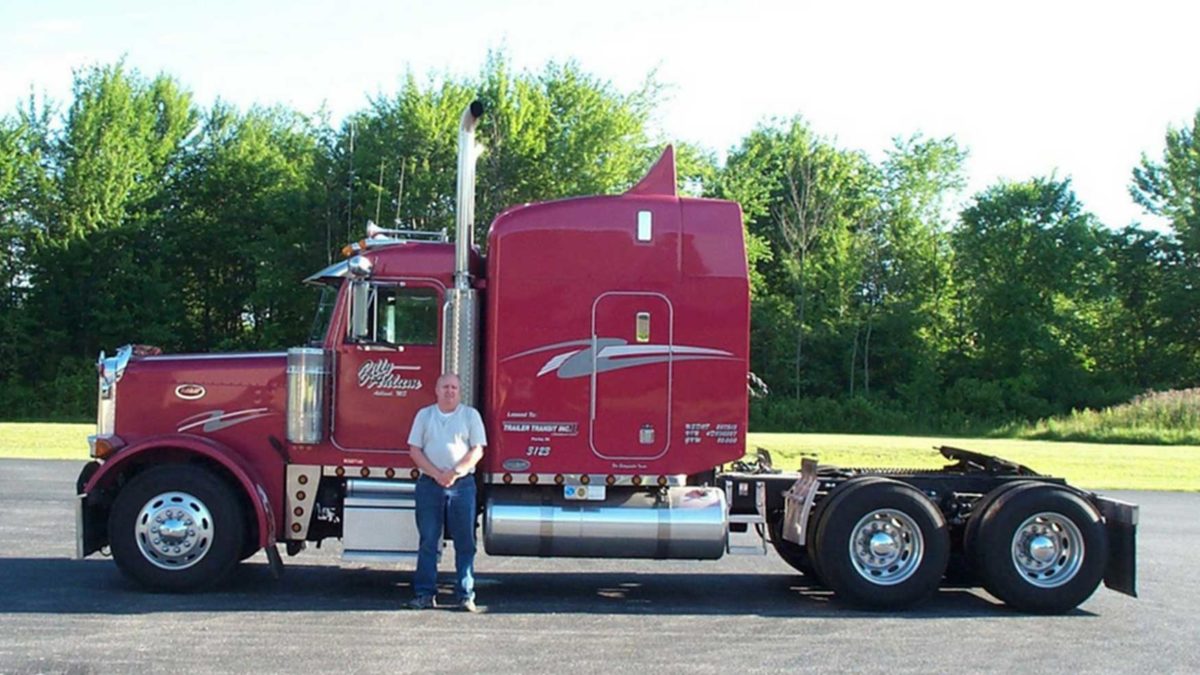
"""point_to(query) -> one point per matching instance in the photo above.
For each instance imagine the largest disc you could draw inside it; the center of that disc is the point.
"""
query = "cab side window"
(403, 316)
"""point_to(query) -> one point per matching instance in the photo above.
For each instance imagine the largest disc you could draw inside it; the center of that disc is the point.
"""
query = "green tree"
(95, 262)
(556, 133)
(907, 289)
(1028, 267)
(1171, 188)
(810, 202)
(247, 227)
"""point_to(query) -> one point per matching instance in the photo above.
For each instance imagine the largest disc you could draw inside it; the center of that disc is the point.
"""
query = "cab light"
(533, 479)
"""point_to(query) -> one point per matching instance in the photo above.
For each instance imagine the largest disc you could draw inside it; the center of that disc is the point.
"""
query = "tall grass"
(1163, 418)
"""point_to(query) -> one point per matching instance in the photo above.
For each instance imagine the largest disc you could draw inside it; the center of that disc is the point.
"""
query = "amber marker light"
(340, 471)
(365, 472)
(303, 480)
(636, 480)
(585, 479)
(390, 473)
(296, 527)
(103, 447)
(298, 511)
(662, 481)
(415, 473)
(507, 478)
(533, 479)
(558, 479)
(610, 480)
(301, 495)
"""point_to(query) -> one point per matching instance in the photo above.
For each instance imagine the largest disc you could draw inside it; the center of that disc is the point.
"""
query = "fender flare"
(247, 478)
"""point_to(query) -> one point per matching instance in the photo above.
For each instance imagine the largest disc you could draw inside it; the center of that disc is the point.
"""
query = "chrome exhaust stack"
(461, 327)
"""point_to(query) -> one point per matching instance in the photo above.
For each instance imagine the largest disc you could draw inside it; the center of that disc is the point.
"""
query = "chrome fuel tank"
(678, 523)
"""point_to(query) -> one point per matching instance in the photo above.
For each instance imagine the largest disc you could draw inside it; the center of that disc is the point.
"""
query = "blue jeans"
(454, 509)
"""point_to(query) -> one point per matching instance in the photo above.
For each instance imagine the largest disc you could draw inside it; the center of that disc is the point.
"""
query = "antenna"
(400, 192)
(350, 185)
(379, 190)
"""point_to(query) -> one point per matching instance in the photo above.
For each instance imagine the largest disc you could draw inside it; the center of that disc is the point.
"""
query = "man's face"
(447, 393)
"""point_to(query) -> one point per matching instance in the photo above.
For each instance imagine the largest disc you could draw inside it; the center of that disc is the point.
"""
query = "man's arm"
(468, 462)
(423, 463)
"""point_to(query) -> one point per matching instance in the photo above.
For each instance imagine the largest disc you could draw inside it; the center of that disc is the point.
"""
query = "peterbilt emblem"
(190, 392)
(516, 464)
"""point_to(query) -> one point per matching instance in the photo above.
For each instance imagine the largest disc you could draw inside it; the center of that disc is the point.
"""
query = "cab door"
(386, 376)
(631, 375)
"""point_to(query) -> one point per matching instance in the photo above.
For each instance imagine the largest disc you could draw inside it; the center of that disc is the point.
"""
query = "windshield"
(316, 336)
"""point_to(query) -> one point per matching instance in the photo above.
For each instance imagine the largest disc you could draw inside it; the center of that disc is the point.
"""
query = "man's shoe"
(421, 602)
(468, 605)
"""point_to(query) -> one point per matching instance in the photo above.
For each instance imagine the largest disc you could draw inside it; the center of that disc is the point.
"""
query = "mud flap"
(1121, 521)
(91, 530)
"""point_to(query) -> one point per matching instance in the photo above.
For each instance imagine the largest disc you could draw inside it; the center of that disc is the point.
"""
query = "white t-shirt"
(446, 438)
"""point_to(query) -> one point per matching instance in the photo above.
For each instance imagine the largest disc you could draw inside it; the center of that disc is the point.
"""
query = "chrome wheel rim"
(886, 547)
(174, 530)
(1048, 550)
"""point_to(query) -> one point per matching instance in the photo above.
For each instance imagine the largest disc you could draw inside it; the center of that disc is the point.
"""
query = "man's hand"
(446, 477)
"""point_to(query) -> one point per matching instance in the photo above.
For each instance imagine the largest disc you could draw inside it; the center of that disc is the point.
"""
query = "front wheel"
(883, 546)
(176, 528)
(1041, 548)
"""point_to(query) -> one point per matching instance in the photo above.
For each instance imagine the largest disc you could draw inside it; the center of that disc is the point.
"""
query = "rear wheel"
(1041, 549)
(176, 528)
(791, 552)
(836, 495)
(971, 531)
(883, 545)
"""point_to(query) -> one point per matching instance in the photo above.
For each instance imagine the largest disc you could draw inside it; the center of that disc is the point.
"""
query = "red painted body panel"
(570, 388)
(179, 445)
(603, 354)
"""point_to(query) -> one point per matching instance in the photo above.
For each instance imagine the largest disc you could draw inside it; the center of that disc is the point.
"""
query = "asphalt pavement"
(743, 613)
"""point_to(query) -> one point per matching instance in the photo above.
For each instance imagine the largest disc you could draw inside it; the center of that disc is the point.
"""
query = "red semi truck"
(605, 340)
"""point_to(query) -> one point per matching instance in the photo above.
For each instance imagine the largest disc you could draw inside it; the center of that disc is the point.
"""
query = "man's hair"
(445, 376)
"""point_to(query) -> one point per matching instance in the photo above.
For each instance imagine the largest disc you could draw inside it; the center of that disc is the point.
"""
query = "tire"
(818, 512)
(883, 545)
(793, 554)
(1041, 549)
(205, 520)
(970, 551)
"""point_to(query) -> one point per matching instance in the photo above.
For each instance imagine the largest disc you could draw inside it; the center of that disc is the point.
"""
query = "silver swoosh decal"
(215, 420)
(615, 354)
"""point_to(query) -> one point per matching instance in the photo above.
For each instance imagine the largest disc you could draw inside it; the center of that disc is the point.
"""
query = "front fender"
(245, 475)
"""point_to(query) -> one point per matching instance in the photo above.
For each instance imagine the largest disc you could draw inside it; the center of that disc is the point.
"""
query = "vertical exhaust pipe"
(460, 334)
(465, 200)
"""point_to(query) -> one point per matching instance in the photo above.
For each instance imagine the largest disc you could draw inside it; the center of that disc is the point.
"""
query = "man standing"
(446, 443)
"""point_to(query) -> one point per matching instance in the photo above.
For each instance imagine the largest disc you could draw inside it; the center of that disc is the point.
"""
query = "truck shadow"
(63, 586)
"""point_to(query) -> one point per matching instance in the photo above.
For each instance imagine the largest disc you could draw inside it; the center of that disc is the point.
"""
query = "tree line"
(135, 215)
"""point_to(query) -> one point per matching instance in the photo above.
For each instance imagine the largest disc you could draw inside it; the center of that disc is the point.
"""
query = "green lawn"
(1089, 465)
(30, 440)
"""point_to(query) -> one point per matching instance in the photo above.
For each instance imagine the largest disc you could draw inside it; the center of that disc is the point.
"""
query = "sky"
(1079, 90)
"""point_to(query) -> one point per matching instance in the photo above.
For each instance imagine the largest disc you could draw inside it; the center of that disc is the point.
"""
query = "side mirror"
(361, 297)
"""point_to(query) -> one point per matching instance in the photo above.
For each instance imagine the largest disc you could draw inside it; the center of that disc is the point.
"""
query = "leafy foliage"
(135, 215)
